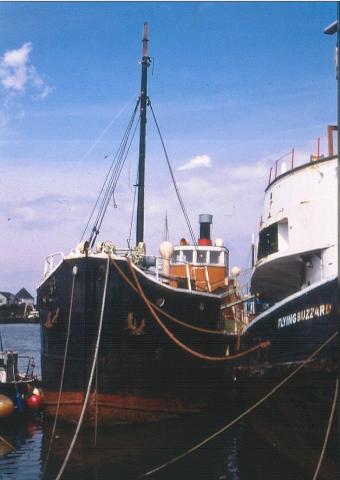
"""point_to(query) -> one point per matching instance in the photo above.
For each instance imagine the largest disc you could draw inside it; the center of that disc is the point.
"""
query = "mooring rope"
(5, 442)
(200, 355)
(330, 421)
(1, 344)
(243, 414)
(74, 273)
(96, 406)
(166, 314)
(86, 399)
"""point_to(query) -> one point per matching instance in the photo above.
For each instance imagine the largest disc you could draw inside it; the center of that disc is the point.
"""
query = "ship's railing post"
(49, 262)
(187, 269)
(157, 268)
(270, 175)
(293, 154)
(207, 279)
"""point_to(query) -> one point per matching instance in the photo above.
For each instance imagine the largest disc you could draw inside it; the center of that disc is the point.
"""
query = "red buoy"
(34, 402)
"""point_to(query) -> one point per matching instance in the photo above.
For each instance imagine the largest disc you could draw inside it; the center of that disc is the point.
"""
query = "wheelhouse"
(199, 267)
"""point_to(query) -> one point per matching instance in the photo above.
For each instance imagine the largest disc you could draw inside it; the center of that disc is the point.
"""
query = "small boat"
(132, 337)
(19, 392)
(33, 315)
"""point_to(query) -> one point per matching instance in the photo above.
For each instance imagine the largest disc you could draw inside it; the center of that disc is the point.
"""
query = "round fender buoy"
(6, 406)
(37, 391)
(34, 402)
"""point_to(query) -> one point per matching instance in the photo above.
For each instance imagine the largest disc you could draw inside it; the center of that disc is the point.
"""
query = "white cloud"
(14, 68)
(45, 92)
(17, 58)
(17, 72)
(196, 162)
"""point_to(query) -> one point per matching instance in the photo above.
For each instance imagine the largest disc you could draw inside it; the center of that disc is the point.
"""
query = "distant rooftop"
(23, 293)
(7, 294)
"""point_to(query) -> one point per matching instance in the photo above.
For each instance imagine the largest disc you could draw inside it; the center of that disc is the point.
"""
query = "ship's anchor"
(134, 326)
(52, 319)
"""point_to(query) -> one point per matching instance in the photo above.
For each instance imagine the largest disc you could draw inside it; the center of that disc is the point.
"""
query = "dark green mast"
(141, 166)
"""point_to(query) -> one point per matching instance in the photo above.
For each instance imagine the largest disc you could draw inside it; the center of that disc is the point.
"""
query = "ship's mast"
(141, 166)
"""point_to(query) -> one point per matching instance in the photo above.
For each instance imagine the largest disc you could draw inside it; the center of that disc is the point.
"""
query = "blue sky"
(234, 86)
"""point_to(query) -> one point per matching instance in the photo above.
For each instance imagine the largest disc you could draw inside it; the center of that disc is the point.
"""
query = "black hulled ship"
(147, 338)
(294, 279)
(295, 284)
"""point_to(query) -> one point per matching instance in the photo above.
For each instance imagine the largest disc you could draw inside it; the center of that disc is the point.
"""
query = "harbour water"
(125, 453)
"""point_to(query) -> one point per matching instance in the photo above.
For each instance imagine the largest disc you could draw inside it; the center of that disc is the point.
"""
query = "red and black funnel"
(205, 221)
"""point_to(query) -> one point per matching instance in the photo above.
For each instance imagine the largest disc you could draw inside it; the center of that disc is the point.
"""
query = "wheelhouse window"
(268, 241)
(198, 256)
(187, 256)
(176, 257)
(217, 258)
(182, 256)
(202, 256)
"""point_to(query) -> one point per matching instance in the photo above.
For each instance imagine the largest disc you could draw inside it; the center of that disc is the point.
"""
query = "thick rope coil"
(264, 344)
(167, 315)
(243, 414)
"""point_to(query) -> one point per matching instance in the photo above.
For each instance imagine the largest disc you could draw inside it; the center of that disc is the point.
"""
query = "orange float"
(6, 406)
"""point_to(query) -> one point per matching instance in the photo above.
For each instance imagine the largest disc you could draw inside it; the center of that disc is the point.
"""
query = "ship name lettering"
(306, 314)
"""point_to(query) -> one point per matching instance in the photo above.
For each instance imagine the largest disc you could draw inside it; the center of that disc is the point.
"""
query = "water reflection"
(127, 452)
(24, 460)
(124, 453)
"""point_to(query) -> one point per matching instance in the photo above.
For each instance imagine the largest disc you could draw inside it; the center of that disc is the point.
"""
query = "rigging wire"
(111, 179)
(114, 180)
(107, 177)
(133, 209)
(115, 167)
(95, 205)
(192, 234)
(108, 126)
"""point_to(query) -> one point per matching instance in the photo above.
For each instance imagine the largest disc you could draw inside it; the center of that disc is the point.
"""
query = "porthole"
(160, 301)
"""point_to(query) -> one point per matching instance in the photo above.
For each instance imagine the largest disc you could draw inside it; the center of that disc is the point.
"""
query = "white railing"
(51, 264)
